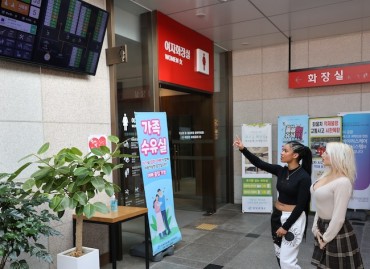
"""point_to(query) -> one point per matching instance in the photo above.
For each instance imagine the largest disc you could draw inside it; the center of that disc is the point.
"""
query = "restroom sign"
(330, 76)
(185, 57)
(202, 65)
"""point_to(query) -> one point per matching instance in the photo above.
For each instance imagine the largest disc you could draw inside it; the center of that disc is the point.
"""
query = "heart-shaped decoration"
(96, 142)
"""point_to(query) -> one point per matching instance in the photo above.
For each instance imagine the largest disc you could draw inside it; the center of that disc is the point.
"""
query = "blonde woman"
(335, 241)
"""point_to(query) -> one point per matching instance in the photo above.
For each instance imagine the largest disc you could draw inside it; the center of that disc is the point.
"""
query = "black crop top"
(295, 191)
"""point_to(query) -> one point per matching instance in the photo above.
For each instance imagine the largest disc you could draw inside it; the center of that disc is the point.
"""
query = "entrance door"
(190, 124)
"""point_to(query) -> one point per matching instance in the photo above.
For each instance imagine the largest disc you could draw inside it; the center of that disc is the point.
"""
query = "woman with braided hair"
(289, 217)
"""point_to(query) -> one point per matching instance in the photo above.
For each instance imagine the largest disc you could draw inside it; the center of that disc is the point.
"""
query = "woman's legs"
(275, 225)
(291, 241)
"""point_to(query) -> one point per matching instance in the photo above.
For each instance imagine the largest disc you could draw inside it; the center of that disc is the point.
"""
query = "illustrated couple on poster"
(159, 205)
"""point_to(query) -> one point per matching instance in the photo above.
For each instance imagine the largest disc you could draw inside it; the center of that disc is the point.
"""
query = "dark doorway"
(191, 135)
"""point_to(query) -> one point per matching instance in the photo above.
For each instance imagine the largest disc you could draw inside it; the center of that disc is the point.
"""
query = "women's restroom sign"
(202, 65)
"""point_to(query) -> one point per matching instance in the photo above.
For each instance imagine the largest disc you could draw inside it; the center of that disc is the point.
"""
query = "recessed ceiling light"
(245, 43)
(200, 13)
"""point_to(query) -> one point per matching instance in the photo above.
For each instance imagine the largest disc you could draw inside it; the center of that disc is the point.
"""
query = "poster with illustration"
(152, 134)
(291, 128)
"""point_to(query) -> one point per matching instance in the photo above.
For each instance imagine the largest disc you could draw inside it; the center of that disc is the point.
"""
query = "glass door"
(190, 124)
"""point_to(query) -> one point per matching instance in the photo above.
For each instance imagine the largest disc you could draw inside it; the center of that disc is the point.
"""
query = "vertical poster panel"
(291, 128)
(322, 131)
(154, 151)
(131, 178)
(256, 183)
(356, 131)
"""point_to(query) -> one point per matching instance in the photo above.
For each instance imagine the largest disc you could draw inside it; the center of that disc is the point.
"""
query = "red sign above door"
(185, 57)
(339, 75)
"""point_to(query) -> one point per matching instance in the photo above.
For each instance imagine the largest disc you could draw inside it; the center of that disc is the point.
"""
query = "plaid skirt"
(340, 253)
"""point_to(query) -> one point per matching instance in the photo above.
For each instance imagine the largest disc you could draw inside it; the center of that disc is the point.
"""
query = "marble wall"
(261, 93)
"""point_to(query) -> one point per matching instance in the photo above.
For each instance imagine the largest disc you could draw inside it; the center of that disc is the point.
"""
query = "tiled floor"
(228, 239)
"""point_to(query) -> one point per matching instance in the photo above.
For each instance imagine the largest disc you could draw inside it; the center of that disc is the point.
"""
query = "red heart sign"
(96, 142)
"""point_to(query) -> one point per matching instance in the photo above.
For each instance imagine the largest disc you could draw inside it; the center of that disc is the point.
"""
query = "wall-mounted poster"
(132, 184)
(256, 183)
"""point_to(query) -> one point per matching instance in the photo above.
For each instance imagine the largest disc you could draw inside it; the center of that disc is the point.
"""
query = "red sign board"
(339, 75)
(185, 57)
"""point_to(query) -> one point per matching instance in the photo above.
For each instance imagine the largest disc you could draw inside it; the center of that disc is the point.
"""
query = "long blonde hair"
(342, 159)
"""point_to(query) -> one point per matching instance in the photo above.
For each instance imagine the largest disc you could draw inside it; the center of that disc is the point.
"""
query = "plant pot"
(89, 260)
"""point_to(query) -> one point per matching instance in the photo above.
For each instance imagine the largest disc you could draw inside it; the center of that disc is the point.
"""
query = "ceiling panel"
(232, 23)
(178, 6)
(321, 31)
(329, 15)
(271, 8)
(240, 30)
(218, 15)
(254, 42)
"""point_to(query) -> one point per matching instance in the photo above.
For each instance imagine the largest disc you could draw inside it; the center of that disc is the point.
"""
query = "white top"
(331, 202)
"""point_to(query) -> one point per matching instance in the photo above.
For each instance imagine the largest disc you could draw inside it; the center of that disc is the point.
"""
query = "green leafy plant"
(72, 180)
(22, 223)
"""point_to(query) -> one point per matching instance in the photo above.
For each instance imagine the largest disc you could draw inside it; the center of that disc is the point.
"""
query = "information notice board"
(256, 183)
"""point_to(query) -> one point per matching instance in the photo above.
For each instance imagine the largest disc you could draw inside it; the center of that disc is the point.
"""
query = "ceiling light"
(200, 12)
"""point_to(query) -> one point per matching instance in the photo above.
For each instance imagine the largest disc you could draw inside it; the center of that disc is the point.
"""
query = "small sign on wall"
(96, 141)
(202, 62)
(185, 57)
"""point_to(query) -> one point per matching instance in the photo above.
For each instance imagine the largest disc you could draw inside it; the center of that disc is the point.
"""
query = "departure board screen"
(65, 34)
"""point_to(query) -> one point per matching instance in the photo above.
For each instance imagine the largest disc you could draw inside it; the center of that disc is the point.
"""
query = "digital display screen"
(65, 34)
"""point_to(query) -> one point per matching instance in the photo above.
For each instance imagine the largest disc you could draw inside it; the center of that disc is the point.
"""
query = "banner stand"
(139, 251)
(153, 143)
(256, 183)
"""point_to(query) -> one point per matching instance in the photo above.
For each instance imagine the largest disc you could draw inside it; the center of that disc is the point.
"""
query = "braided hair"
(304, 154)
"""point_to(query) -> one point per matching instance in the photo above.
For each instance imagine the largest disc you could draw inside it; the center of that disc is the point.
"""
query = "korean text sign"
(256, 183)
(152, 134)
(328, 76)
(180, 52)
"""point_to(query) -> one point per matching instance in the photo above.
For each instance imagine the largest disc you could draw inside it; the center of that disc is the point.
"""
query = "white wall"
(41, 105)
(261, 93)
(127, 24)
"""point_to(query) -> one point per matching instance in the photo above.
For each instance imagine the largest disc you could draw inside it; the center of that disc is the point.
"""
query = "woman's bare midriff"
(284, 207)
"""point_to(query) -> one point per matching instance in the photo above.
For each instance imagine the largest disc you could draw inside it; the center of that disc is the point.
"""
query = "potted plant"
(72, 179)
(22, 223)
